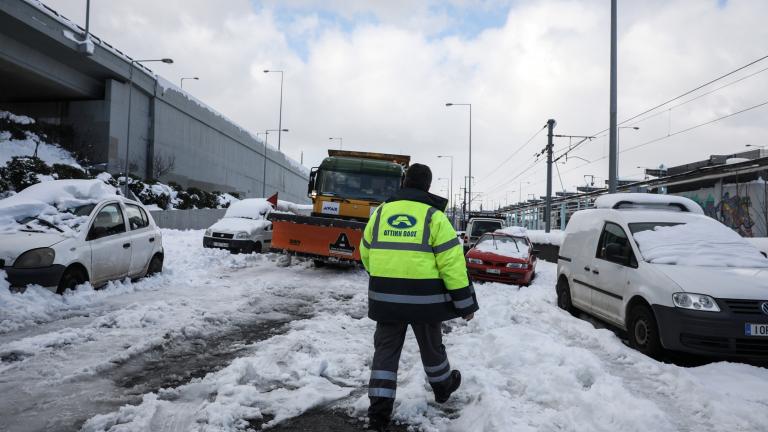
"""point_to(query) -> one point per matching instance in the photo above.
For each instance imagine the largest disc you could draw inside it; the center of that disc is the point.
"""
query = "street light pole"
(126, 171)
(469, 204)
(280, 118)
(613, 154)
(264, 171)
(341, 141)
(452, 203)
(618, 148)
(181, 81)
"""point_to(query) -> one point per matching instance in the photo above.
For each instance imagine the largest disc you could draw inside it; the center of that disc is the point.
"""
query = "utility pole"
(613, 154)
(548, 207)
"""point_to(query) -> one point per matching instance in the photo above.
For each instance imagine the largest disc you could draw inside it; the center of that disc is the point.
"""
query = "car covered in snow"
(503, 256)
(244, 227)
(60, 234)
(673, 278)
(478, 226)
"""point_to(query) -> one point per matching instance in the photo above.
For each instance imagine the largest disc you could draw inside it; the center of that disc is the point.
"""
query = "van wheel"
(155, 265)
(643, 331)
(564, 297)
(71, 278)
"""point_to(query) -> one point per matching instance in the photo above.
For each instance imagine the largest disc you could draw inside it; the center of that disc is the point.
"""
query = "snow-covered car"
(244, 227)
(502, 257)
(60, 234)
(478, 226)
(675, 279)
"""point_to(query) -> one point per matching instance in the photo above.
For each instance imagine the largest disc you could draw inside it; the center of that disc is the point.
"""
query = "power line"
(681, 96)
(515, 152)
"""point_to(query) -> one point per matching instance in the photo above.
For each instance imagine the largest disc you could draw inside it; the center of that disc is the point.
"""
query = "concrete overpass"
(44, 75)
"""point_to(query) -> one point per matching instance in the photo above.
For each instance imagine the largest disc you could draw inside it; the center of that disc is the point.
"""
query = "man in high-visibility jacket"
(418, 276)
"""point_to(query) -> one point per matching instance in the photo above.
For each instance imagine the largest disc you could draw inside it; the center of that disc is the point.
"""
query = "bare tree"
(162, 164)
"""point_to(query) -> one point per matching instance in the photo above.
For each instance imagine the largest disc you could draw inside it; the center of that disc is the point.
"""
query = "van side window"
(614, 246)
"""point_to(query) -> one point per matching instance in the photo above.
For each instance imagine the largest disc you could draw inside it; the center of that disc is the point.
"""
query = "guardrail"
(187, 219)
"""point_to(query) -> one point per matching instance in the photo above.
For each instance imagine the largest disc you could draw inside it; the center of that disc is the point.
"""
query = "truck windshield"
(357, 185)
(481, 227)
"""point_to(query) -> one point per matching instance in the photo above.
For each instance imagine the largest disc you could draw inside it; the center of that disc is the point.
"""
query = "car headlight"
(699, 302)
(208, 232)
(241, 235)
(517, 265)
(474, 261)
(35, 258)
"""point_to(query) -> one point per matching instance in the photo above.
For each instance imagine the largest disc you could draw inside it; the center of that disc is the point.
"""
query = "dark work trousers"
(388, 343)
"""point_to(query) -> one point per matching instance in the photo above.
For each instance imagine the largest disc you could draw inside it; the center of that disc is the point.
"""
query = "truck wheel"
(643, 331)
(564, 297)
(318, 263)
(71, 278)
(257, 248)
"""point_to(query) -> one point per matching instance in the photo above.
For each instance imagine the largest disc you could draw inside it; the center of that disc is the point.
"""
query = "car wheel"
(564, 297)
(155, 265)
(257, 248)
(71, 278)
(643, 331)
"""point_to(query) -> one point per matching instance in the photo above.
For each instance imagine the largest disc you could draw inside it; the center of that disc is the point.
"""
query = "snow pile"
(12, 145)
(646, 200)
(554, 237)
(299, 209)
(251, 208)
(702, 243)
(50, 201)
(504, 246)
(516, 231)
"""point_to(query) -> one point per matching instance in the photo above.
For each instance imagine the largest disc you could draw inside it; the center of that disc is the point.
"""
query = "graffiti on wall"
(735, 208)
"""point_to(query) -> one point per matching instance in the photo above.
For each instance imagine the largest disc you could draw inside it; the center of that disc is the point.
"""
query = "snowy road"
(222, 342)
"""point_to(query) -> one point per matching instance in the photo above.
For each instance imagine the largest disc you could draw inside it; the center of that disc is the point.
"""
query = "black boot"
(442, 394)
(377, 424)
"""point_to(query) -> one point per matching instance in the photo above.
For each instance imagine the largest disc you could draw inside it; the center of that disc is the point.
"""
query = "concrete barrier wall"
(187, 219)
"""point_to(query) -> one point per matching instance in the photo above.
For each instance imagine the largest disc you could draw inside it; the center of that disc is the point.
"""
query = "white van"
(675, 279)
(478, 226)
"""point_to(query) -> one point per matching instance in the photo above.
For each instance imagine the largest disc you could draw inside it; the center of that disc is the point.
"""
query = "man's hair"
(418, 176)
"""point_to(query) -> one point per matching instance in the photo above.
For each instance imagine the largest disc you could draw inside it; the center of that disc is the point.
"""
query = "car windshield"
(71, 218)
(349, 185)
(481, 227)
(700, 243)
(513, 247)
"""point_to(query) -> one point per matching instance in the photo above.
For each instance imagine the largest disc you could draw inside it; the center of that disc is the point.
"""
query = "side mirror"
(312, 179)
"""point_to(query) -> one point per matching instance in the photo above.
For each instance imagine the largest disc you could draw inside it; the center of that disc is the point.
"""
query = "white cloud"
(383, 83)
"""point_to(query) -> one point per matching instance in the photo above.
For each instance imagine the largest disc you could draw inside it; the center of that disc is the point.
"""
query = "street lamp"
(452, 202)
(753, 145)
(280, 118)
(181, 81)
(130, 95)
(341, 141)
(520, 190)
(264, 173)
(618, 149)
(450, 104)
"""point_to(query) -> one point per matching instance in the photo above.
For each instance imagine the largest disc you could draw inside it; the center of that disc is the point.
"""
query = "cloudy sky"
(378, 74)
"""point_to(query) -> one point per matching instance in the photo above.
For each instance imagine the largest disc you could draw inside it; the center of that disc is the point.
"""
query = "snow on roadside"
(49, 153)
(527, 366)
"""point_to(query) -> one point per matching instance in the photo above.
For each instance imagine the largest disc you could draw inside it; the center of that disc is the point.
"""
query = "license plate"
(493, 271)
(221, 245)
(756, 329)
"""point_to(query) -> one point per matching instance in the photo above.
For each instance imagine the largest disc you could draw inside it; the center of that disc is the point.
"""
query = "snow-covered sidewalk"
(527, 365)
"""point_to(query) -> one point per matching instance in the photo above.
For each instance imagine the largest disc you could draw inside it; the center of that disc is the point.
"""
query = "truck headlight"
(241, 236)
(692, 301)
(35, 258)
(517, 265)
(474, 261)
(208, 232)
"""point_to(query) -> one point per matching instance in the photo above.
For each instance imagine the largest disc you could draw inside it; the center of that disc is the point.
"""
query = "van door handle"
(595, 271)
(586, 268)
(126, 245)
(151, 239)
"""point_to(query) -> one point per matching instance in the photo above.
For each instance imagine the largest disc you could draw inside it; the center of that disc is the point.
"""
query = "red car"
(500, 257)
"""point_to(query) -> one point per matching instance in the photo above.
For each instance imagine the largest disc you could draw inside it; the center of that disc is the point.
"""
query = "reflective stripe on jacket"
(415, 261)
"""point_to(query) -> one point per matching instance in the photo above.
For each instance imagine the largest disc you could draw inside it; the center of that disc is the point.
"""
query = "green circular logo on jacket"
(401, 221)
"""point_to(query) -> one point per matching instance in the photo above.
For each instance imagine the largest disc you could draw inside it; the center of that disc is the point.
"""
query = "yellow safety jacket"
(415, 261)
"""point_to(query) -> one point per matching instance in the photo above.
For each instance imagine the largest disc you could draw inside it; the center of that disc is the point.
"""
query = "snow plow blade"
(320, 238)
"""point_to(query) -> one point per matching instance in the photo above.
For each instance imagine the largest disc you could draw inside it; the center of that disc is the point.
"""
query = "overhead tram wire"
(515, 152)
(662, 138)
(682, 95)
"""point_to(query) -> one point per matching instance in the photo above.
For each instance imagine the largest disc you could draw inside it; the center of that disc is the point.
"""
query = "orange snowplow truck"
(345, 189)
